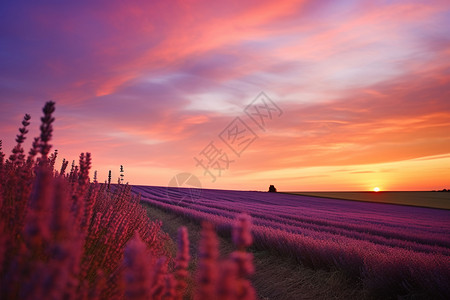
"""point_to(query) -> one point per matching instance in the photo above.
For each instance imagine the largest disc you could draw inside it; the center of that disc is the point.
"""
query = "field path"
(277, 278)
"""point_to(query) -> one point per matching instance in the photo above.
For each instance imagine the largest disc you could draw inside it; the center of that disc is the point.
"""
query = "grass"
(275, 277)
(439, 200)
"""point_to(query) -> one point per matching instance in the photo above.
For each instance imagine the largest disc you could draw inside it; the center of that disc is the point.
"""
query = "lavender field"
(390, 249)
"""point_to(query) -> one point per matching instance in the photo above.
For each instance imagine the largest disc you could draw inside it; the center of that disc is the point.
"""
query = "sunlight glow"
(376, 189)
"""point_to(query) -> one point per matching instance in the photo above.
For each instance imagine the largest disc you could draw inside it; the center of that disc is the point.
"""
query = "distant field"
(424, 199)
(387, 250)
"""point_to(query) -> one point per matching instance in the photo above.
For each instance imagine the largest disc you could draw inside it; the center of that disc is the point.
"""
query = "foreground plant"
(66, 238)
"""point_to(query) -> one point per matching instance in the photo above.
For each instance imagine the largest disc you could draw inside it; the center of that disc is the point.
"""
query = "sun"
(376, 189)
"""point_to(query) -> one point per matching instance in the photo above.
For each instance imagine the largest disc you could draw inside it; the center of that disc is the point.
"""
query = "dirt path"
(275, 277)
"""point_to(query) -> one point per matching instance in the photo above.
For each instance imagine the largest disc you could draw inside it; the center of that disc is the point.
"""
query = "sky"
(304, 95)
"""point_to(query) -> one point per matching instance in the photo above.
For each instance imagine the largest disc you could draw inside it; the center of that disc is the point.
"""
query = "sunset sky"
(362, 89)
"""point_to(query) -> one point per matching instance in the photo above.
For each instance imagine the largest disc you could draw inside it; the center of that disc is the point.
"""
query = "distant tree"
(121, 174)
(95, 176)
(272, 189)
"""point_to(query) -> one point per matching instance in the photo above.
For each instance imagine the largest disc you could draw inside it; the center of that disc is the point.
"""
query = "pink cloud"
(150, 83)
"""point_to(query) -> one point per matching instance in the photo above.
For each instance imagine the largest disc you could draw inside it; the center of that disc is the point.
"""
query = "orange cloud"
(150, 84)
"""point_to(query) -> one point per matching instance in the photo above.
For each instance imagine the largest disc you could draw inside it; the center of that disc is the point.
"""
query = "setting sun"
(376, 189)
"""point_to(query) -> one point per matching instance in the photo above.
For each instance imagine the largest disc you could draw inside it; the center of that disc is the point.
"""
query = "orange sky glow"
(362, 88)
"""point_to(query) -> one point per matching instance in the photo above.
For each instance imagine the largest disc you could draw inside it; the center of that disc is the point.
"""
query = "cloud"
(152, 83)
